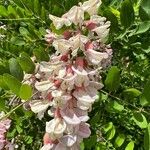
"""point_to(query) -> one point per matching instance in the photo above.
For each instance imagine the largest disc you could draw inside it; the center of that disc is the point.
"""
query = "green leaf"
(20, 12)
(37, 7)
(140, 119)
(143, 101)
(12, 83)
(117, 106)
(144, 10)
(25, 92)
(2, 69)
(3, 85)
(108, 127)
(3, 11)
(147, 138)
(82, 146)
(142, 27)
(11, 11)
(132, 92)
(26, 63)
(23, 31)
(2, 105)
(111, 133)
(113, 79)
(127, 13)
(17, 41)
(19, 129)
(41, 55)
(15, 69)
(90, 142)
(130, 146)
(146, 91)
(119, 140)
(29, 139)
(43, 13)
(112, 18)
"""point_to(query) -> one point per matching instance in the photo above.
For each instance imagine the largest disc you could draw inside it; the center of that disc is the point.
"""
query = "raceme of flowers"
(4, 126)
(67, 85)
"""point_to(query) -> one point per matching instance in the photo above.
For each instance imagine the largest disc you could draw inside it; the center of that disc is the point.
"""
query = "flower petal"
(43, 85)
(70, 117)
(68, 140)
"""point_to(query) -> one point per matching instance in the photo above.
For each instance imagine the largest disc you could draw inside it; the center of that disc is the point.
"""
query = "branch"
(117, 98)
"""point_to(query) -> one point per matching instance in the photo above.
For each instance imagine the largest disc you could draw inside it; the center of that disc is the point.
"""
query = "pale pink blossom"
(91, 6)
(4, 126)
(50, 36)
(68, 84)
(59, 22)
(55, 128)
(75, 15)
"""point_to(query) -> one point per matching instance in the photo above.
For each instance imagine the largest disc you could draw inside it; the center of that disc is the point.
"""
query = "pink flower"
(91, 6)
(75, 15)
(49, 37)
(67, 85)
(59, 22)
(4, 126)
(55, 128)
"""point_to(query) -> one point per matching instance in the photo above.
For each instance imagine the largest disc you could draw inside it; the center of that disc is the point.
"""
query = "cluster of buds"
(4, 126)
(67, 85)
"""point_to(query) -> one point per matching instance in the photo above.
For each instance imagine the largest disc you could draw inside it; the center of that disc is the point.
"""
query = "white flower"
(62, 46)
(85, 98)
(59, 98)
(55, 128)
(102, 31)
(84, 130)
(39, 106)
(70, 117)
(43, 85)
(75, 15)
(95, 57)
(74, 116)
(91, 6)
(59, 22)
(77, 42)
(68, 140)
(47, 147)
(50, 36)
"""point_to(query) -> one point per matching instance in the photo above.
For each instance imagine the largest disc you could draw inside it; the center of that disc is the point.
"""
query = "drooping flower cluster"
(67, 85)
(4, 126)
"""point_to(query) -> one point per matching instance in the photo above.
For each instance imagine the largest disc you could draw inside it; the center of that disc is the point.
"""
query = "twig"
(18, 19)
(11, 111)
(117, 98)
(5, 116)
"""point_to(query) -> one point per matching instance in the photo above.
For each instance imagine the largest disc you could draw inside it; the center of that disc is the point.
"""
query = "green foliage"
(145, 10)
(113, 79)
(12, 83)
(130, 146)
(15, 69)
(147, 138)
(41, 55)
(146, 91)
(25, 92)
(119, 140)
(126, 13)
(26, 63)
(140, 119)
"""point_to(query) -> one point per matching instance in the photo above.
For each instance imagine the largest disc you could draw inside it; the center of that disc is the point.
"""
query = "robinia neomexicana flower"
(4, 126)
(67, 85)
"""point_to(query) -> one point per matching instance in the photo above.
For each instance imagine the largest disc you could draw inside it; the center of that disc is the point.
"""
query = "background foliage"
(120, 119)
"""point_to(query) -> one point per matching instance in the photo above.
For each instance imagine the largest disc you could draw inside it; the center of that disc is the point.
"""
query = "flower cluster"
(4, 126)
(67, 85)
